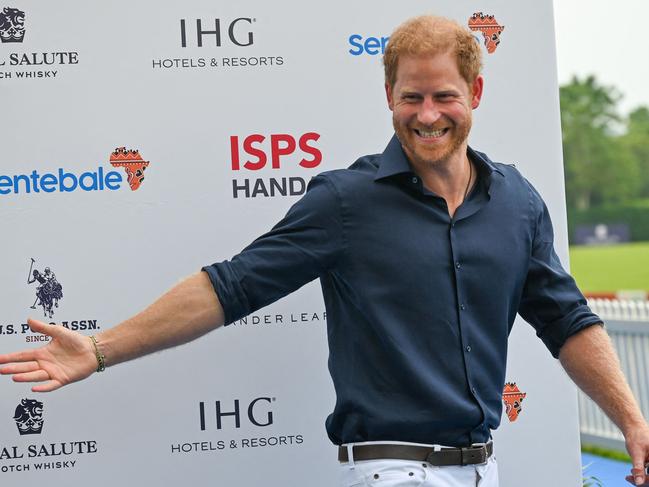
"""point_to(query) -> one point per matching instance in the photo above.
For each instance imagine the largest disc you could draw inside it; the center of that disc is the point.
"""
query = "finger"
(47, 386)
(43, 328)
(631, 480)
(24, 356)
(638, 471)
(19, 368)
(36, 376)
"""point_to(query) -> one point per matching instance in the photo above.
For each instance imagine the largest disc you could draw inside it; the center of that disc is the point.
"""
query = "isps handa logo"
(62, 180)
(29, 417)
(12, 25)
(277, 153)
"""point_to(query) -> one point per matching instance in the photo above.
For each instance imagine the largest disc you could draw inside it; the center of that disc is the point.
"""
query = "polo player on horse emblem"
(48, 290)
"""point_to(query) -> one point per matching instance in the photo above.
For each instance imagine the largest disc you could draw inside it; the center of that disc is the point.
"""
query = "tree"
(599, 167)
(636, 141)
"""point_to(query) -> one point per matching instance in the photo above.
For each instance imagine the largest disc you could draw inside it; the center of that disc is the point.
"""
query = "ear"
(389, 95)
(476, 89)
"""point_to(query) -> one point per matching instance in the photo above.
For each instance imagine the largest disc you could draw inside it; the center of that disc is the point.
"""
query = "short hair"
(430, 35)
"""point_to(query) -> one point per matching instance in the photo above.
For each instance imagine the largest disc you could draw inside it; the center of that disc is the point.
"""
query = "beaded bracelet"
(101, 359)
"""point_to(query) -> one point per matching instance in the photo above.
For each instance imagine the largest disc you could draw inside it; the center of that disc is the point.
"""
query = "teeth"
(432, 133)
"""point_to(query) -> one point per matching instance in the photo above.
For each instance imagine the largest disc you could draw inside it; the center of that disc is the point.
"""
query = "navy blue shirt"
(419, 304)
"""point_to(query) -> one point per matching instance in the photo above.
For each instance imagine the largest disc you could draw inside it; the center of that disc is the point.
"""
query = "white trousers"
(407, 473)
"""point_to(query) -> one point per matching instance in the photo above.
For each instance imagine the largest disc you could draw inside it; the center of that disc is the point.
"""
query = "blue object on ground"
(611, 473)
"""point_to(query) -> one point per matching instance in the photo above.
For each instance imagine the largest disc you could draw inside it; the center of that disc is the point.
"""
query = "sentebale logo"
(490, 28)
(133, 164)
(63, 181)
(513, 397)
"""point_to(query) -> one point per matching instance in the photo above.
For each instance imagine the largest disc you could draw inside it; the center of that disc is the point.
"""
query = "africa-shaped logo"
(491, 30)
(29, 417)
(12, 25)
(513, 397)
(48, 290)
(132, 163)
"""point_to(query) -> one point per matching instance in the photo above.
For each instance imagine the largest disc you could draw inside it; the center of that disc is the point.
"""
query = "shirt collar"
(394, 161)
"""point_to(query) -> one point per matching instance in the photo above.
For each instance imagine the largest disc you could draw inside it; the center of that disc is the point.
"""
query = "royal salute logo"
(29, 417)
(513, 397)
(12, 25)
(490, 29)
(50, 455)
(48, 290)
(62, 180)
(40, 64)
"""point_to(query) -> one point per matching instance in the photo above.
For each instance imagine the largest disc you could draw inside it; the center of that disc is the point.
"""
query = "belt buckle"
(474, 454)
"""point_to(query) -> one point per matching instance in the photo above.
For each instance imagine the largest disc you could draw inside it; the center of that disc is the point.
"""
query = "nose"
(428, 112)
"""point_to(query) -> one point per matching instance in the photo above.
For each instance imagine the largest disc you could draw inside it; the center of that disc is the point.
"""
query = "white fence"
(627, 323)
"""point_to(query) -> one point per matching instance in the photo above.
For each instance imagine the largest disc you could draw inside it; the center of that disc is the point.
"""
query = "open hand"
(67, 358)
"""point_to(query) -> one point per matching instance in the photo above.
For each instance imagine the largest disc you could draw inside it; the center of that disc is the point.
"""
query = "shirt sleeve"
(551, 301)
(300, 248)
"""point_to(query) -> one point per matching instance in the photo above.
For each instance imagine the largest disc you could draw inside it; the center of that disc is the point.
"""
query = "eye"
(410, 97)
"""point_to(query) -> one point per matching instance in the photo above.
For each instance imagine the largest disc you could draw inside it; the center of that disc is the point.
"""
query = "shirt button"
(468, 348)
(462, 307)
(414, 180)
(457, 265)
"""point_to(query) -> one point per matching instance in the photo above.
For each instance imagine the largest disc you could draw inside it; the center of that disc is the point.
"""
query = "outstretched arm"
(591, 362)
(187, 311)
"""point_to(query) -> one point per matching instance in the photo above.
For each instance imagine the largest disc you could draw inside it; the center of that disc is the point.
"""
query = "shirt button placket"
(462, 306)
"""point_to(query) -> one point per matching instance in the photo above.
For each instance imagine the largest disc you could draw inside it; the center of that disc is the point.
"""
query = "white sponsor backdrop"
(113, 251)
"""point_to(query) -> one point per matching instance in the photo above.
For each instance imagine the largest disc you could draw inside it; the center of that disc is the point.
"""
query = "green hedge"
(634, 213)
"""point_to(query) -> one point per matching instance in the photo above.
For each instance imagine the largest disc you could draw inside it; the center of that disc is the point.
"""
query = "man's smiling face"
(432, 107)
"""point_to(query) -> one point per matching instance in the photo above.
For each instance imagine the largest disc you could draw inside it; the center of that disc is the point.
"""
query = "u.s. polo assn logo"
(48, 290)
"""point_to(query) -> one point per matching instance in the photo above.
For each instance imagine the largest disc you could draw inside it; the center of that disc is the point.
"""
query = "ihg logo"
(257, 412)
(238, 32)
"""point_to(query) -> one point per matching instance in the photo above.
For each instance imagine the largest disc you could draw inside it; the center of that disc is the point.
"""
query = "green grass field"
(611, 267)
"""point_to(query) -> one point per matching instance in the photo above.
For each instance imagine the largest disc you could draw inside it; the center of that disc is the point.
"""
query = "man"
(425, 253)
